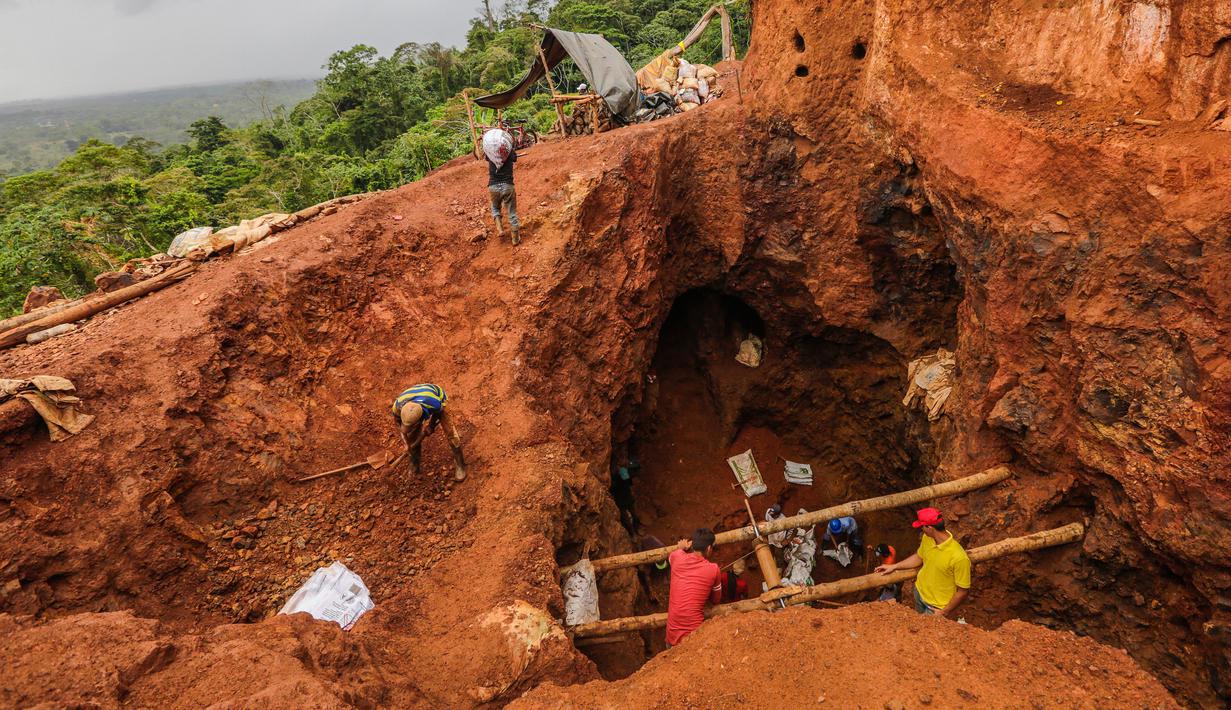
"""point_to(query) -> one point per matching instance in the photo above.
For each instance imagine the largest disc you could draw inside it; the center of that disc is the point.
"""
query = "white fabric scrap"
(751, 349)
(580, 590)
(332, 593)
(930, 377)
(747, 473)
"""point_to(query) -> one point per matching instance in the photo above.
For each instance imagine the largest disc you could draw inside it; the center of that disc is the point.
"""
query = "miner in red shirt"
(694, 581)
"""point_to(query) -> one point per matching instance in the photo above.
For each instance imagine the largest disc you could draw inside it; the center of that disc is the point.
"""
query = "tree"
(209, 133)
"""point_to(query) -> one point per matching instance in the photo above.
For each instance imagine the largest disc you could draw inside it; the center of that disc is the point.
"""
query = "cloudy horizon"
(121, 46)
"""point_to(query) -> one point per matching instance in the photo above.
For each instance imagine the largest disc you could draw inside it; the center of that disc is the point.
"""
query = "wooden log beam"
(37, 314)
(97, 305)
(804, 594)
(984, 479)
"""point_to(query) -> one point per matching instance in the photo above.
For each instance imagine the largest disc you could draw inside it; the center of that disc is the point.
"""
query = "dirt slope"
(877, 655)
(899, 176)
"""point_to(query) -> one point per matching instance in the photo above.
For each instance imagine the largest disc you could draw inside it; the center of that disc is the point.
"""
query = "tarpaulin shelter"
(608, 73)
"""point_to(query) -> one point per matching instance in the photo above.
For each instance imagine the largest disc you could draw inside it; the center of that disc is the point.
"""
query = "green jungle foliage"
(374, 122)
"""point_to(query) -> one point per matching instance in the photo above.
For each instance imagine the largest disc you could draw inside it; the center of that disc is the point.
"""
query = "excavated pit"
(830, 399)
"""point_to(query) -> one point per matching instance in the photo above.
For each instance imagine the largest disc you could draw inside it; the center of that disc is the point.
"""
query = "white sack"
(497, 146)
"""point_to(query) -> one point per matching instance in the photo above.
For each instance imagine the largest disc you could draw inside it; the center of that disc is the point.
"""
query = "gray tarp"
(603, 66)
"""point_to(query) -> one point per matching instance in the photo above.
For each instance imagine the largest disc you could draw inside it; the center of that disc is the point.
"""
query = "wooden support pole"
(949, 488)
(474, 133)
(93, 306)
(551, 85)
(802, 595)
(728, 46)
(37, 314)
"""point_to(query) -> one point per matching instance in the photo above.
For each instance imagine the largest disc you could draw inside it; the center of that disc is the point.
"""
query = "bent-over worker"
(418, 410)
(886, 555)
(694, 581)
(848, 529)
(944, 580)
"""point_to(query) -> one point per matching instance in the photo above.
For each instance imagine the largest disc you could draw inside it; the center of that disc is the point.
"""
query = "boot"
(516, 232)
(499, 226)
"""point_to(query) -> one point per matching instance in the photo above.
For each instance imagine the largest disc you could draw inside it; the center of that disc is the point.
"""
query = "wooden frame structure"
(793, 595)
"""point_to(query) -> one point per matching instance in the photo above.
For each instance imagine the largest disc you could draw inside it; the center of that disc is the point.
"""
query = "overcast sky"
(57, 48)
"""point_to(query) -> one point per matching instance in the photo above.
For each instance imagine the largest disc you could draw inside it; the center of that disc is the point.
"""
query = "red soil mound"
(878, 655)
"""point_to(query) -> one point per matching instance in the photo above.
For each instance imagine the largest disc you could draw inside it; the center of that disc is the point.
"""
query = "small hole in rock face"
(859, 50)
(799, 42)
(801, 70)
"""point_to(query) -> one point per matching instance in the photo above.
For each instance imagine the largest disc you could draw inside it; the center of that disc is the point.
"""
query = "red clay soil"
(888, 198)
(876, 655)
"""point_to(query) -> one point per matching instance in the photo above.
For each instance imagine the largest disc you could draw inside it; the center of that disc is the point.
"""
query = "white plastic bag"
(687, 69)
(185, 242)
(332, 593)
(497, 146)
(580, 594)
(703, 89)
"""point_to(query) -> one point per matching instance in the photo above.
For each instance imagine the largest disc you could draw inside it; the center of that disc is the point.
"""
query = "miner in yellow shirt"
(944, 580)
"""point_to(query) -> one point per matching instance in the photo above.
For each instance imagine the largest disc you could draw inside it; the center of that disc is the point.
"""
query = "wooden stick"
(803, 594)
(551, 85)
(37, 314)
(474, 134)
(1147, 122)
(94, 306)
(894, 500)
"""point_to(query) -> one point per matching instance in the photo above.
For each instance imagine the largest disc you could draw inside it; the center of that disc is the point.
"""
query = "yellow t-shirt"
(945, 568)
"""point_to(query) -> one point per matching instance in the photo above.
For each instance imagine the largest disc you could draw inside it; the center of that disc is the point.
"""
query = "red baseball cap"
(927, 516)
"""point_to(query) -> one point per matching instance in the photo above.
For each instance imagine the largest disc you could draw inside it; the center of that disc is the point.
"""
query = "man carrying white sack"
(498, 148)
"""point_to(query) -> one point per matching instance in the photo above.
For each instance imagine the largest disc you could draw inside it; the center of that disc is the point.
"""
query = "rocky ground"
(888, 178)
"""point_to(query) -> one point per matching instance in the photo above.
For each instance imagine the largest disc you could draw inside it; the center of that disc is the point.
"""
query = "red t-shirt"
(694, 581)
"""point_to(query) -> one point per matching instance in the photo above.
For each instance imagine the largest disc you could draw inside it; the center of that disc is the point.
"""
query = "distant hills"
(36, 135)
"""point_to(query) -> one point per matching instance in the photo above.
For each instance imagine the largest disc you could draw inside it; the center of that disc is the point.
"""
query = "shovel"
(377, 461)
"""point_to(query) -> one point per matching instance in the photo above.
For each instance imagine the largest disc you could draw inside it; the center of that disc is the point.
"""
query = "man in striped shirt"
(418, 410)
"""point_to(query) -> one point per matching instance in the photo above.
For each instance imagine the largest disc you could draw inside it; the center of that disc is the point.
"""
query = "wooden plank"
(984, 479)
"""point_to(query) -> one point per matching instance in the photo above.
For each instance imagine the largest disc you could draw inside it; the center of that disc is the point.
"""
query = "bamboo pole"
(795, 595)
(97, 305)
(894, 500)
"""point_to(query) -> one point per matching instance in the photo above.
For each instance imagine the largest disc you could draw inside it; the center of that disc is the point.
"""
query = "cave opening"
(831, 399)
(859, 50)
(799, 42)
(801, 70)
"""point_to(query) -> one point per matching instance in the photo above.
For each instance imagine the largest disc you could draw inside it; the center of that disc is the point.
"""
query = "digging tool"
(377, 461)
(765, 556)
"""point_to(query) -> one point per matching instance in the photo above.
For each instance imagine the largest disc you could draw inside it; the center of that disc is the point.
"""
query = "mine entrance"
(829, 399)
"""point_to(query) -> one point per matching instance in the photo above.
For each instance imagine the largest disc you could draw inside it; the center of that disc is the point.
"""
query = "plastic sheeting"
(604, 67)
(332, 593)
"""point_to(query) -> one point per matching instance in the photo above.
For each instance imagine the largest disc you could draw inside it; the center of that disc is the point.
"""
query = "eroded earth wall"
(964, 173)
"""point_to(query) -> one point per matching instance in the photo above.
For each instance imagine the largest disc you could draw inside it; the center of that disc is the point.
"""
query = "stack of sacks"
(690, 84)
